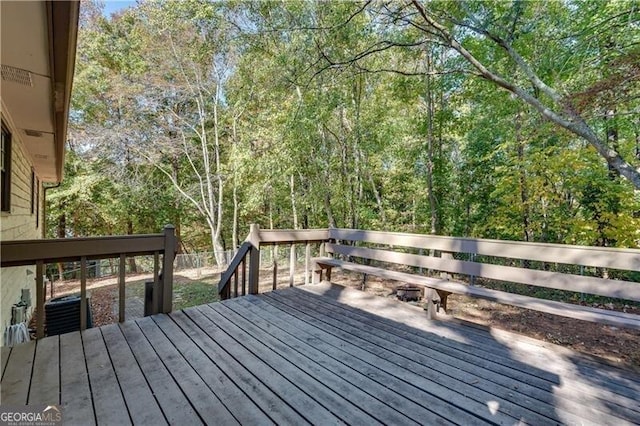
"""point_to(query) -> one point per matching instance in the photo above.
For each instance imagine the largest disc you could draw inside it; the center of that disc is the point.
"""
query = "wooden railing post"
(167, 269)
(254, 259)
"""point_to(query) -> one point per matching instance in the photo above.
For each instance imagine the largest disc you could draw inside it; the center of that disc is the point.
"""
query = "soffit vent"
(33, 133)
(16, 75)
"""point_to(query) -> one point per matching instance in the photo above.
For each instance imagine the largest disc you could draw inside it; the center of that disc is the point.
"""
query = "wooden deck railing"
(42, 252)
(251, 249)
(578, 270)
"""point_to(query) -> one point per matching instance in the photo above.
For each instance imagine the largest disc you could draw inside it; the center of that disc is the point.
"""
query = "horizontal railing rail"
(616, 288)
(601, 271)
(42, 252)
(27, 252)
(605, 257)
(292, 236)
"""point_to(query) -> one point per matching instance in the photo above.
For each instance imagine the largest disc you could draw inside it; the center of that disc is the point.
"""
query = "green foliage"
(345, 114)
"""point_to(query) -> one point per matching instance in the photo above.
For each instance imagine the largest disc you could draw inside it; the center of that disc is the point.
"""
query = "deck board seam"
(187, 363)
(33, 367)
(4, 367)
(59, 371)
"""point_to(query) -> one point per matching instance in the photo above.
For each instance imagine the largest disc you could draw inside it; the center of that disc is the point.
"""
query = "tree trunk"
(327, 208)
(133, 268)
(430, 142)
(61, 233)
(376, 194)
(564, 115)
(177, 222)
(294, 210)
(234, 231)
(524, 197)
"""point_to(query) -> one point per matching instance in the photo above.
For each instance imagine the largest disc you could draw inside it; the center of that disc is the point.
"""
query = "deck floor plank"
(367, 364)
(45, 383)
(318, 354)
(15, 383)
(404, 352)
(142, 405)
(184, 362)
(455, 394)
(330, 359)
(262, 384)
(484, 343)
(108, 401)
(75, 392)
(504, 366)
(5, 352)
(173, 402)
(297, 370)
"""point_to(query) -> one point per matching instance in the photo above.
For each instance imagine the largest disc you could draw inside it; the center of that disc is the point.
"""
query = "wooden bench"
(512, 262)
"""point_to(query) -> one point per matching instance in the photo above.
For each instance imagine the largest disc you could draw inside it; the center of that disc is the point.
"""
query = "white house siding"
(18, 224)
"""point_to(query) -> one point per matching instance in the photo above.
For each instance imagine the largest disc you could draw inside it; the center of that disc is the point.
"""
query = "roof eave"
(63, 33)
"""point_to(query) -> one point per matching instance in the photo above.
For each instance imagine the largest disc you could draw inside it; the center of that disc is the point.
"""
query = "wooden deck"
(313, 354)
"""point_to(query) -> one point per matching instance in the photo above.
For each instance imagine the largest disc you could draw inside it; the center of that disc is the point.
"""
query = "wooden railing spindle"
(156, 283)
(235, 283)
(121, 289)
(292, 264)
(167, 268)
(83, 293)
(244, 277)
(40, 295)
(307, 264)
(275, 267)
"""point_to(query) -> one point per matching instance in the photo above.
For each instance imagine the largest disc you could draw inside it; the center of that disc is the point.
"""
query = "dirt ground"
(617, 345)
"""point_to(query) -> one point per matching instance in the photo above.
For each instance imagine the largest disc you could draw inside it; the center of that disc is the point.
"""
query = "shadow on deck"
(313, 354)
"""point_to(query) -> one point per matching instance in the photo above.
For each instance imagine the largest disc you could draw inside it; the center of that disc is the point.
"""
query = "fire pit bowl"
(408, 293)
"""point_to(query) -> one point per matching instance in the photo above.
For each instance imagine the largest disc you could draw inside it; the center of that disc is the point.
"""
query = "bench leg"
(430, 297)
(443, 299)
(329, 274)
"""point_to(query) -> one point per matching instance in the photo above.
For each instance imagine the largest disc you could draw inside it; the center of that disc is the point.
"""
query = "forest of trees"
(515, 120)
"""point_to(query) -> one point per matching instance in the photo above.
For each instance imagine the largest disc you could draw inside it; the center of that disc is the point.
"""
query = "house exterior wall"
(19, 224)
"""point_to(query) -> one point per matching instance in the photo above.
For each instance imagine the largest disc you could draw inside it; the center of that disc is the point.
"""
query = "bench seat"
(612, 318)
